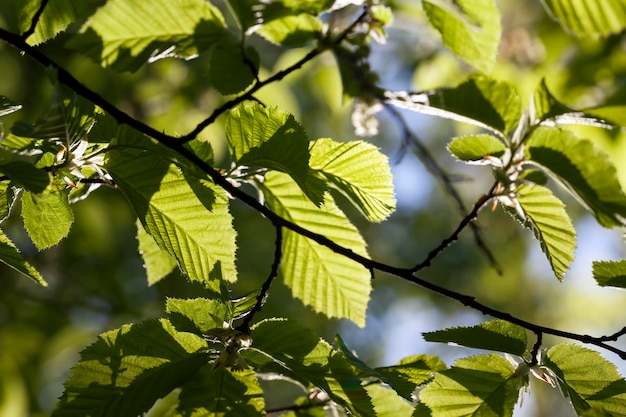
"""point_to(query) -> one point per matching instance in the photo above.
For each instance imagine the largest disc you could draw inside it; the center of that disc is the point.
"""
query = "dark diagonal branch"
(444, 178)
(177, 146)
(265, 288)
(35, 20)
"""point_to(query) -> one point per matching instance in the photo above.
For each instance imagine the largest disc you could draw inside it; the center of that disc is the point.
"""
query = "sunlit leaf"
(285, 347)
(158, 264)
(261, 137)
(470, 28)
(475, 148)
(387, 403)
(48, 217)
(253, 14)
(411, 372)
(186, 216)
(498, 335)
(293, 30)
(222, 392)
(490, 104)
(549, 222)
(126, 370)
(588, 379)
(583, 168)
(11, 256)
(197, 315)
(478, 386)
(125, 34)
(359, 171)
(610, 273)
(243, 305)
(330, 283)
(588, 17)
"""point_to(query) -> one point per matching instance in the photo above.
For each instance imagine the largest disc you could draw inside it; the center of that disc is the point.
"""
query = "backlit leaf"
(474, 148)
(583, 168)
(470, 28)
(197, 315)
(158, 264)
(11, 256)
(359, 171)
(387, 403)
(589, 17)
(610, 273)
(47, 217)
(478, 386)
(125, 34)
(549, 222)
(330, 283)
(498, 335)
(293, 30)
(126, 370)
(411, 372)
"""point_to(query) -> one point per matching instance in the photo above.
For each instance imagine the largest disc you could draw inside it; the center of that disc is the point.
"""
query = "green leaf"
(187, 217)
(158, 264)
(292, 31)
(7, 198)
(588, 379)
(359, 171)
(329, 282)
(253, 14)
(387, 403)
(482, 101)
(7, 106)
(126, 370)
(198, 315)
(583, 168)
(547, 108)
(48, 217)
(230, 69)
(588, 17)
(411, 372)
(286, 348)
(243, 305)
(260, 137)
(125, 34)
(478, 386)
(11, 256)
(222, 392)
(470, 28)
(498, 335)
(56, 17)
(22, 173)
(474, 148)
(610, 273)
(550, 224)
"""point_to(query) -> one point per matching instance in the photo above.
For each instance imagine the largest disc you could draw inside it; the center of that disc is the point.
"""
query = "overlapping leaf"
(610, 273)
(589, 17)
(588, 379)
(411, 372)
(387, 403)
(187, 217)
(242, 66)
(470, 28)
(478, 386)
(498, 335)
(287, 348)
(158, 264)
(583, 168)
(359, 171)
(481, 101)
(125, 34)
(48, 217)
(475, 148)
(11, 256)
(293, 30)
(198, 315)
(253, 14)
(549, 222)
(126, 370)
(329, 282)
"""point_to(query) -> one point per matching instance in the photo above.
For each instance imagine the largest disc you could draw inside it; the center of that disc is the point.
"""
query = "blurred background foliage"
(97, 281)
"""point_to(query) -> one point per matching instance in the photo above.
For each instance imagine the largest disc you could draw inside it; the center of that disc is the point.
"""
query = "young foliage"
(588, 17)
(48, 217)
(157, 263)
(610, 273)
(475, 148)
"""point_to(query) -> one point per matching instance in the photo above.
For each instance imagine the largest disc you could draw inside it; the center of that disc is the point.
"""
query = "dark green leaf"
(7, 106)
(610, 273)
(470, 28)
(583, 168)
(251, 13)
(411, 372)
(126, 370)
(230, 69)
(474, 148)
(478, 386)
(498, 335)
(23, 174)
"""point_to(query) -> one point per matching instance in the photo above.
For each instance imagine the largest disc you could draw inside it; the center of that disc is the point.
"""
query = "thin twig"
(265, 288)
(35, 20)
(534, 354)
(613, 337)
(438, 172)
(172, 143)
